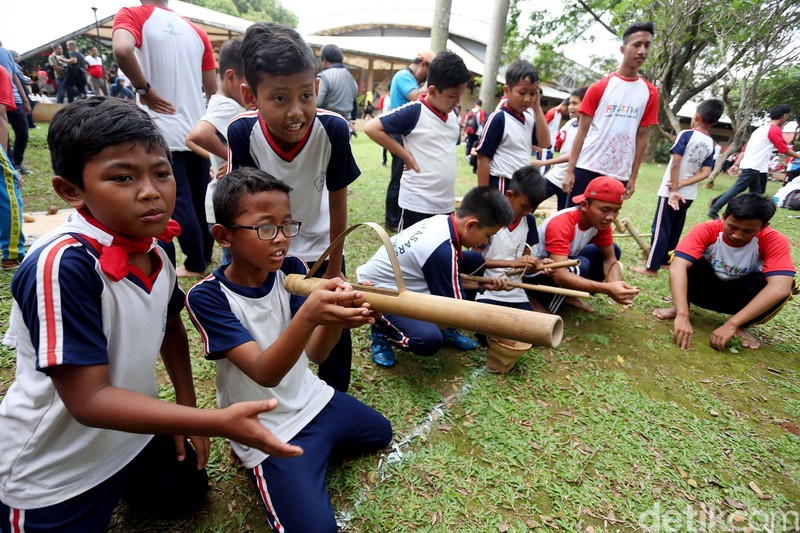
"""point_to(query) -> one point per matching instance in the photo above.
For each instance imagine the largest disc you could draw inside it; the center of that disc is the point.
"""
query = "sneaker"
(712, 215)
(452, 337)
(382, 352)
(11, 264)
(23, 170)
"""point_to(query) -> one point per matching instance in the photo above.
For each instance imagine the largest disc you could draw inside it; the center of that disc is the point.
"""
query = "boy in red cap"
(584, 232)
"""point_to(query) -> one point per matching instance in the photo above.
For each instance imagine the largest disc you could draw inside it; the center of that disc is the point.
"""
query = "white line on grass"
(399, 449)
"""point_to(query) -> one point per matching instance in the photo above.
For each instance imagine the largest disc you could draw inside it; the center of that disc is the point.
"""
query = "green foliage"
(255, 10)
(781, 87)
(662, 153)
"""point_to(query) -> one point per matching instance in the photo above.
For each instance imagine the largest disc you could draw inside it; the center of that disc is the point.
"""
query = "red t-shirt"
(6, 91)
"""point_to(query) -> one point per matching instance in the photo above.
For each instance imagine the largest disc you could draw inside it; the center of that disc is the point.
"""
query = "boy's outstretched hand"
(333, 304)
(201, 446)
(241, 423)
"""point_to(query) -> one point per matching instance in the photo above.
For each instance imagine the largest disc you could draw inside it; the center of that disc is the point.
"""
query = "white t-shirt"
(66, 311)
(618, 108)
(173, 54)
(228, 315)
(696, 149)
(508, 244)
(759, 148)
(220, 111)
(430, 136)
(507, 140)
(558, 172)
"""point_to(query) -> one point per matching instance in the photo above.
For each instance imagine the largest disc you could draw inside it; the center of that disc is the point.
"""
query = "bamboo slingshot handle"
(636, 237)
(493, 320)
(531, 287)
(540, 267)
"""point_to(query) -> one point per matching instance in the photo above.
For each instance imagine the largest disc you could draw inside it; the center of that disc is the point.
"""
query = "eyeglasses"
(267, 232)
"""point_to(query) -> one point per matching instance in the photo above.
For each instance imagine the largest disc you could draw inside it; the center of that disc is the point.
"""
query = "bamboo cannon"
(531, 287)
(540, 267)
(492, 320)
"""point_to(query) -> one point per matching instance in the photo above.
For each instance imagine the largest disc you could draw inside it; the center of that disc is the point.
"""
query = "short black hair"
(488, 205)
(751, 206)
(710, 110)
(331, 53)
(520, 70)
(778, 111)
(235, 185)
(447, 71)
(579, 92)
(230, 57)
(85, 127)
(529, 182)
(274, 49)
(636, 27)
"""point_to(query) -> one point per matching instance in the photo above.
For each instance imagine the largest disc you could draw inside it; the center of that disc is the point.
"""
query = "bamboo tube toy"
(492, 320)
(531, 287)
(636, 237)
(540, 267)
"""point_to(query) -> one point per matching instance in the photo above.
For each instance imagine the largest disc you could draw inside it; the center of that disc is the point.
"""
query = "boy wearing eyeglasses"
(262, 338)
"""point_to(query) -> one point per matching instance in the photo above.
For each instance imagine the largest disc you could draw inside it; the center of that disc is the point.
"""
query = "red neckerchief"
(513, 225)
(455, 232)
(114, 258)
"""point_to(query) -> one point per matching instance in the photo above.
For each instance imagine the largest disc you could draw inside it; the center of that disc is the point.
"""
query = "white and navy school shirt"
(429, 253)
(66, 311)
(430, 136)
(321, 162)
(618, 107)
(507, 140)
(228, 315)
(508, 244)
(769, 252)
(696, 148)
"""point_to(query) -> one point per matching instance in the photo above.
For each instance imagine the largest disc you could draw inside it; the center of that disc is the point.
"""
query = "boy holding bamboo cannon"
(431, 259)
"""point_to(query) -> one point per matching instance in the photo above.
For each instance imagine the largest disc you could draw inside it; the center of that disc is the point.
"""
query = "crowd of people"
(259, 163)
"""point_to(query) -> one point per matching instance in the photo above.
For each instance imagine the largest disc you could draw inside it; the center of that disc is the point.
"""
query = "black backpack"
(471, 123)
(792, 200)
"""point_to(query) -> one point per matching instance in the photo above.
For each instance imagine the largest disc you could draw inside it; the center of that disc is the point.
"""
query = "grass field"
(614, 430)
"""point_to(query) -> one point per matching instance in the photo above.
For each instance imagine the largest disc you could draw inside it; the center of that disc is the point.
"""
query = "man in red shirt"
(738, 266)
(12, 240)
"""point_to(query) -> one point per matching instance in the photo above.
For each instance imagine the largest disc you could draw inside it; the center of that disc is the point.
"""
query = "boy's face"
(520, 97)
(740, 231)
(636, 50)
(520, 204)
(574, 105)
(474, 236)
(251, 254)
(129, 187)
(287, 104)
(599, 215)
(446, 100)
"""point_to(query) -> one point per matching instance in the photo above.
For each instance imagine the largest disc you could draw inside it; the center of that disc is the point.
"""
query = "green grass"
(613, 425)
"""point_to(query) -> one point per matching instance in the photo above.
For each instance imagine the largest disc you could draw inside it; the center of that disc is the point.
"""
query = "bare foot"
(538, 307)
(667, 313)
(664, 267)
(644, 271)
(748, 341)
(579, 304)
(183, 273)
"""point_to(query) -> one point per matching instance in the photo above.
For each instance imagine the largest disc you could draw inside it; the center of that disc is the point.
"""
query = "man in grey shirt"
(337, 88)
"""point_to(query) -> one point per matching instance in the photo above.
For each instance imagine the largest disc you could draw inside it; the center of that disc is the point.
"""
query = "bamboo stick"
(532, 287)
(540, 267)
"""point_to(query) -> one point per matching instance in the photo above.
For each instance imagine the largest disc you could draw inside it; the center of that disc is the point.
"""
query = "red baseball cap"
(604, 189)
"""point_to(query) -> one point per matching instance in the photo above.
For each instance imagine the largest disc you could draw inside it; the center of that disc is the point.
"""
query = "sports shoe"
(712, 215)
(382, 353)
(11, 264)
(452, 337)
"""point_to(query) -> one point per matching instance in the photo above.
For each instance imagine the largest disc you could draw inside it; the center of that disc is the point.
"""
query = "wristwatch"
(142, 91)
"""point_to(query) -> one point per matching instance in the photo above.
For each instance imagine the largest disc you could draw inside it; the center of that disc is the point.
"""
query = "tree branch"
(596, 17)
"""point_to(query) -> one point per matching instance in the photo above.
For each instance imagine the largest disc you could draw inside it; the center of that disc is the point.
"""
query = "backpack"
(471, 123)
(792, 200)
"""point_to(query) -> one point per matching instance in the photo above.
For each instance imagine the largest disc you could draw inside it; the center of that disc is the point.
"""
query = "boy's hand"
(621, 292)
(526, 261)
(536, 96)
(497, 284)
(675, 201)
(154, 101)
(241, 424)
(569, 182)
(201, 446)
(410, 163)
(537, 163)
(682, 332)
(721, 336)
(222, 170)
(332, 304)
(630, 187)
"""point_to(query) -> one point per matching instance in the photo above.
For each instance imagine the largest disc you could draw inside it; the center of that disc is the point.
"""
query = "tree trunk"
(440, 30)
(494, 48)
